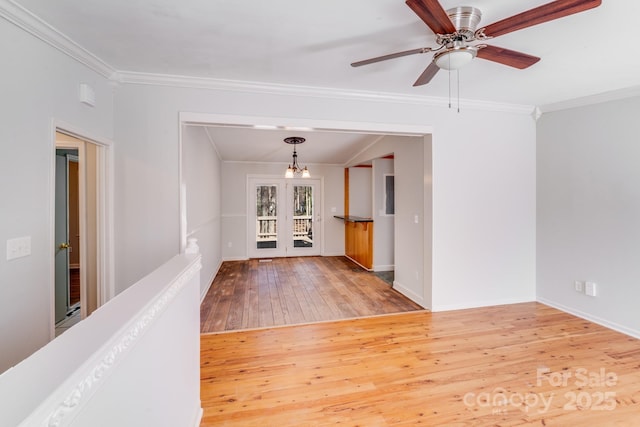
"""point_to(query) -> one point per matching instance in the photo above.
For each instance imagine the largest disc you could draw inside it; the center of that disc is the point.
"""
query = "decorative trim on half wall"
(95, 373)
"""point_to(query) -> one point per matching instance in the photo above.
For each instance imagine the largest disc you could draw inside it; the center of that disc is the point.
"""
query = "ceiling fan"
(457, 28)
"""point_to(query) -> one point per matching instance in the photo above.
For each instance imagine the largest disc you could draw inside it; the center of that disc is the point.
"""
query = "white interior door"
(284, 217)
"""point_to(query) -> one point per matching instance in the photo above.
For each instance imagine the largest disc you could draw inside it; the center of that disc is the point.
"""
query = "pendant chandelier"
(294, 169)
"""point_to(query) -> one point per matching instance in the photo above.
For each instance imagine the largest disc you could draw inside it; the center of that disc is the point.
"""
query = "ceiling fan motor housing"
(466, 20)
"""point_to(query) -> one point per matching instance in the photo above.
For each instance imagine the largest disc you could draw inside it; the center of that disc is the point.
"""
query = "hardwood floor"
(74, 286)
(285, 291)
(522, 364)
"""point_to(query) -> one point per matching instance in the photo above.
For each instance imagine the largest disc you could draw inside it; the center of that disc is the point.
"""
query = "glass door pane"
(302, 216)
(266, 216)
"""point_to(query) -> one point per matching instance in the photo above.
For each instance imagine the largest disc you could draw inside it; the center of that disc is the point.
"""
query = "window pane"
(389, 194)
(266, 216)
(302, 216)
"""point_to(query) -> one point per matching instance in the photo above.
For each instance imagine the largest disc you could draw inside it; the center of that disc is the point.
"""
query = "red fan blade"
(427, 74)
(391, 56)
(539, 15)
(507, 57)
(432, 13)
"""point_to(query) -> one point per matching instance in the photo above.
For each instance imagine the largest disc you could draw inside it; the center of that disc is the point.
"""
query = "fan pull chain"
(449, 74)
(458, 79)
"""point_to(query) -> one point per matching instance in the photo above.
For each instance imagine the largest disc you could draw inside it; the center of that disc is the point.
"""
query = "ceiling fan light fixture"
(455, 58)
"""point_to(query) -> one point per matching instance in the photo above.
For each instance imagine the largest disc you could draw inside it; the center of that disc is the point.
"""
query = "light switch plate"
(590, 289)
(18, 247)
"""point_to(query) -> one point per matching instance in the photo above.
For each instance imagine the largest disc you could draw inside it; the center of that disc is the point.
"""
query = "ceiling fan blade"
(432, 13)
(507, 57)
(391, 56)
(427, 74)
(547, 12)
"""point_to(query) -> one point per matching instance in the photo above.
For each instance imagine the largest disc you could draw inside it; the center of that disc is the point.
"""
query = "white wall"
(38, 84)
(483, 210)
(234, 205)
(383, 234)
(360, 192)
(588, 223)
(202, 183)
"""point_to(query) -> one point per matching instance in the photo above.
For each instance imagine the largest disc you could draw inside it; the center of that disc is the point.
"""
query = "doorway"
(76, 276)
(284, 217)
(67, 232)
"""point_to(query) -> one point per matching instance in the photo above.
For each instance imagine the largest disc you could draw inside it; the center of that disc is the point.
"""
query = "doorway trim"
(105, 213)
(379, 128)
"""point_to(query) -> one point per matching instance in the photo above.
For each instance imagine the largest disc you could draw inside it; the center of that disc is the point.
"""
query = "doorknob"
(63, 246)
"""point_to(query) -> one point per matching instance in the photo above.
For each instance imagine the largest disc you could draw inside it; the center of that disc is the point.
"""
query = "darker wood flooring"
(286, 291)
(74, 286)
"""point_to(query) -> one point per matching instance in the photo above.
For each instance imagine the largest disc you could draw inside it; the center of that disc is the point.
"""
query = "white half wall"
(588, 220)
(39, 85)
(134, 362)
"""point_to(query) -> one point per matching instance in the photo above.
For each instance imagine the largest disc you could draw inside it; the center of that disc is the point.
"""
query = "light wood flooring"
(515, 365)
(285, 291)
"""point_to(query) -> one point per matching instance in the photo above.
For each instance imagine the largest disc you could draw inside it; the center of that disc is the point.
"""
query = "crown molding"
(309, 91)
(599, 98)
(35, 26)
(32, 24)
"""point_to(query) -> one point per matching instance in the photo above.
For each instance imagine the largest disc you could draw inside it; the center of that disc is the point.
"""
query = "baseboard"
(602, 322)
(468, 305)
(383, 267)
(210, 282)
(239, 258)
(356, 262)
(333, 254)
(418, 299)
(198, 418)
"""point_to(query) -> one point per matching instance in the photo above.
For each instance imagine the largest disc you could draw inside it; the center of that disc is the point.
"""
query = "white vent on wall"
(87, 95)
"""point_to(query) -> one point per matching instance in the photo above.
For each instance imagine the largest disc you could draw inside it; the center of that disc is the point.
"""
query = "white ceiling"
(305, 43)
(246, 144)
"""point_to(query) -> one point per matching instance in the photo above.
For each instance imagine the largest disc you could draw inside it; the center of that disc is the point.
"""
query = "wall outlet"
(578, 286)
(590, 289)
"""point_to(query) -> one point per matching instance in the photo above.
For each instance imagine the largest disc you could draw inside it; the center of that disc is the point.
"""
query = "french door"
(284, 217)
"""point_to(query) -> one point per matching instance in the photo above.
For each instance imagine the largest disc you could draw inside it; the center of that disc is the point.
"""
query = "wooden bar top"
(351, 218)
